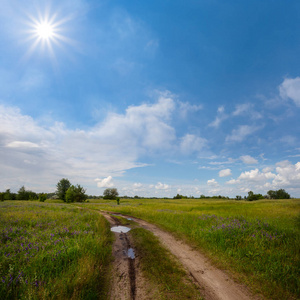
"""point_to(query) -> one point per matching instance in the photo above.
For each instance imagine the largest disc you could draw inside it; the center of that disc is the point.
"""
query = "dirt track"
(127, 279)
(214, 283)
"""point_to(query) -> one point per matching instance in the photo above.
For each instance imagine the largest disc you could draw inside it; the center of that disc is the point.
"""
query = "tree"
(279, 194)
(252, 196)
(23, 194)
(62, 187)
(75, 194)
(110, 193)
(8, 195)
(42, 197)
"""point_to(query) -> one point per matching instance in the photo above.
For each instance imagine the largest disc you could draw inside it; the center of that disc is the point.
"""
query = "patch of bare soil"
(127, 281)
(214, 283)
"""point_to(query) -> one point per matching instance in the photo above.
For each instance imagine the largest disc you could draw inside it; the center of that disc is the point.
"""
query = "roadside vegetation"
(53, 251)
(257, 241)
(161, 269)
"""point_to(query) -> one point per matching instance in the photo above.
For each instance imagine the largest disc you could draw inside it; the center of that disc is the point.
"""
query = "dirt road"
(214, 283)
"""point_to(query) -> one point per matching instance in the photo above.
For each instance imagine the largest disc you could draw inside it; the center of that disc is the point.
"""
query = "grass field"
(257, 241)
(47, 251)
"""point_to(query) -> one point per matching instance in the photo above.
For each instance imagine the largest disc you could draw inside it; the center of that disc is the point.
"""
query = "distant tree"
(2, 196)
(178, 196)
(110, 193)
(202, 196)
(271, 194)
(75, 194)
(252, 196)
(24, 194)
(237, 197)
(42, 197)
(279, 194)
(62, 187)
(8, 195)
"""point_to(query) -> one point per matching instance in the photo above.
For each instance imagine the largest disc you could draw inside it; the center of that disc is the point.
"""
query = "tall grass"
(52, 251)
(258, 241)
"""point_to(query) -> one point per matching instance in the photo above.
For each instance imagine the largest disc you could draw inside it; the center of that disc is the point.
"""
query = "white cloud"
(186, 107)
(290, 88)
(241, 109)
(22, 144)
(191, 143)
(238, 135)
(267, 169)
(256, 176)
(225, 173)
(246, 109)
(45, 154)
(232, 181)
(105, 182)
(162, 186)
(247, 159)
(228, 162)
(212, 182)
(137, 185)
(221, 116)
(288, 175)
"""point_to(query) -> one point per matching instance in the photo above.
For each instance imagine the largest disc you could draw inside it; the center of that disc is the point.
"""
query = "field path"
(127, 280)
(214, 283)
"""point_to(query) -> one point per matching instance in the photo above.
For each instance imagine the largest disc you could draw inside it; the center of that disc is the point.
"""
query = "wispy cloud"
(185, 108)
(247, 159)
(239, 134)
(162, 186)
(191, 143)
(221, 116)
(290, 89)
(225, 173)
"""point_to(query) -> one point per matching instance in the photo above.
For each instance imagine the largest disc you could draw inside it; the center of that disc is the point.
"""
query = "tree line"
(67, 192)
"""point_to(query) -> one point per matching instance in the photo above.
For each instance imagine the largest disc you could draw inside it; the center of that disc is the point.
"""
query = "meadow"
(258, 242)
(47, 251)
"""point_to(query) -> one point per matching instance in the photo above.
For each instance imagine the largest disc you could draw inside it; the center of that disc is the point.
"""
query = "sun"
(45, 33)
(45, 30)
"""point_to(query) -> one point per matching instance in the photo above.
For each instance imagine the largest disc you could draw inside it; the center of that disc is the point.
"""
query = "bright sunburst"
(45, 30)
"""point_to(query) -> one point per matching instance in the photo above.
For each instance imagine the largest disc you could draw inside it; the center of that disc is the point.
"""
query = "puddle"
(129, 219)
(130, 253)
(120, 229)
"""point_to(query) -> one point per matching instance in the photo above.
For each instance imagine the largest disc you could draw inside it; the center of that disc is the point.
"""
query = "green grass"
(258, 241)
(161, 269)
(53, 251)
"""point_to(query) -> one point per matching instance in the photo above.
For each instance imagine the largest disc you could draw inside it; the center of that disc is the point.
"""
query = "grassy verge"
(161, 269)
(258, 241)
(52, 251)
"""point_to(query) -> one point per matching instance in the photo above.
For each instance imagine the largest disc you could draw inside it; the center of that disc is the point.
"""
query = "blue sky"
(152, 97)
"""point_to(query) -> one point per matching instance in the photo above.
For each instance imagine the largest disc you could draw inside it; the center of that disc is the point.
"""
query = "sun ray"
(45, 34)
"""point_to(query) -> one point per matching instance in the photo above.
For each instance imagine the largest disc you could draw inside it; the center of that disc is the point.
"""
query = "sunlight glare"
(45, 30)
